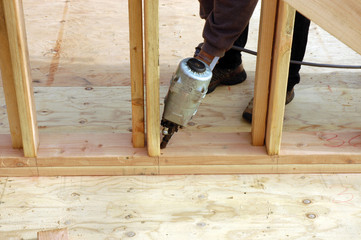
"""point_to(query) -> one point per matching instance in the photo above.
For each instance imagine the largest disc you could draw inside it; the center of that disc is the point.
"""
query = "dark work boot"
(247, 113)
(224, 76)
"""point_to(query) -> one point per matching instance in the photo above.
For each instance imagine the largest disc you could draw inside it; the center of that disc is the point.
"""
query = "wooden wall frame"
(190, 153)
(14, 61)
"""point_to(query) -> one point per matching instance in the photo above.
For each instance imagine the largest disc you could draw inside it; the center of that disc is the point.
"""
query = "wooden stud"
(339, 18)
(9, 84)
(151, 34)
(279, 76)
(15, 24)
(263, 69)
(58, 234)
(136, 71)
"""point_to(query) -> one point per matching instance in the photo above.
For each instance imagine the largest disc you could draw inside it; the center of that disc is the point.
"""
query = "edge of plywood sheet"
(339, 18)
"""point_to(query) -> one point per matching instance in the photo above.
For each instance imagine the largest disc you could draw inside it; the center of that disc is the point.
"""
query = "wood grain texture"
(323, 102)
(279, 76)
(7, 75)
(263, 68)
(19, 172)
(136, 70)
(91, 150)
(22, 76)
(326, 101)
(339, 18)
(192, 153)
(79, 109)
(184, 207)
(108, 109)
(95, 50)
(99, 171)
(58, 234)
(233, 149)
(151, 39)
(260, 169)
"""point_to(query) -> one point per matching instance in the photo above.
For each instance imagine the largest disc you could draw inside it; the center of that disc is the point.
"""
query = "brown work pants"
(225, 21)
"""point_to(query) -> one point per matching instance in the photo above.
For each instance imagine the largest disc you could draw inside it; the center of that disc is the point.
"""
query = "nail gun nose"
(165, 141)
(169, 129)
(166, 138)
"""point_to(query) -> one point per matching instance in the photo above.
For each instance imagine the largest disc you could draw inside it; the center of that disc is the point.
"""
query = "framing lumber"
(210, 145)
(339, 18)
(15, 25)
(263, 69)
(136, 70)
(58, 234)
(151, 34)
(189, 153)
(9, 83)
(279, 76)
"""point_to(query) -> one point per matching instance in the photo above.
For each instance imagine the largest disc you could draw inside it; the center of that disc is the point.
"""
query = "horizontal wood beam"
(261, 169)
(189, 153)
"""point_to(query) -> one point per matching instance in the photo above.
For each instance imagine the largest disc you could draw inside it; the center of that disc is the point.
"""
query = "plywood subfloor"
(184, 207)
(86, 42)
(323, 102)
(80, 68)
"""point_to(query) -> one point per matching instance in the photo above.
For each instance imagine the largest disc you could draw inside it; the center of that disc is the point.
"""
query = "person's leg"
(300, 36)
(233, 58)
(299, 43)
(205, 8)
(221, 32)
(225, 23)
(229, 69)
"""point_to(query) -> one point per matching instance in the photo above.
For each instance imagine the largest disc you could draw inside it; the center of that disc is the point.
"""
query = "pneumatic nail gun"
(188, 86)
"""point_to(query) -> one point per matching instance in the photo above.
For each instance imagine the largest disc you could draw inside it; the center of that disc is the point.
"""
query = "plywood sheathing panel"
(178, 207)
